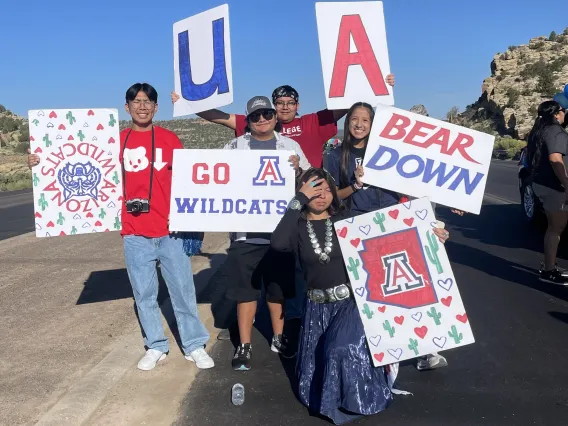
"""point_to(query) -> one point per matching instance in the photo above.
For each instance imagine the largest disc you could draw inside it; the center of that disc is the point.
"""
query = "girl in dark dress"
(335, 374)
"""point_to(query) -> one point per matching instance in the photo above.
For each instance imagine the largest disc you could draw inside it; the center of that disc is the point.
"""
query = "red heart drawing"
(393, 214)
(89, 214)
(50, 224)
(342, 232)
(61, 127)
(421, 331)
(52, 114)
(409, 221)
(120, 198)
(355, 242)
(70, 138)
(460, 318)
(62, 233)
(32, 138)
(399, 320)
(98, 223)
(91, 112)
(113, 191)
(379, 357)
(100, 127)
(447, 301)
(38, 215)
(111, 140)
(38, 150)
(106, 230)
(382, 308)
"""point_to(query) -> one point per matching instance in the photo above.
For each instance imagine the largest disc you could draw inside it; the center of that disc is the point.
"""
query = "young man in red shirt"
(146, 158)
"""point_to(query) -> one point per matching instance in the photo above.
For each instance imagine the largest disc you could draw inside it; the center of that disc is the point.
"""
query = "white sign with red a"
(421, 156)
(203, 75)
(354, 53)
(230, 190)
(403, 283)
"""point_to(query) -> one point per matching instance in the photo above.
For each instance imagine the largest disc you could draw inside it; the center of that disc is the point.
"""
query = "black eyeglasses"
(266, 113)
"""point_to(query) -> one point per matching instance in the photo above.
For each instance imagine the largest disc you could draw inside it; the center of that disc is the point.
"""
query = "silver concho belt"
(328, 295)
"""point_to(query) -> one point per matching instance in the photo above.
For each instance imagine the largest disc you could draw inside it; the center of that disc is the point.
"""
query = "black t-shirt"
(555, 141)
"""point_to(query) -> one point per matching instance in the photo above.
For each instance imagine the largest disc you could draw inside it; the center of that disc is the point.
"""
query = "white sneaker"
(201, 359)
(150, 360)
(431, 362)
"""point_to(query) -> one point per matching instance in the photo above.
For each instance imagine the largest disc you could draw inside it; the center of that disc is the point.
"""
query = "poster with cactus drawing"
(402, 281)
(77, 185)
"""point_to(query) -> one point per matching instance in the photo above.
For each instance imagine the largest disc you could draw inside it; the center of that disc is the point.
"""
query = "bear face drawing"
(135, 159)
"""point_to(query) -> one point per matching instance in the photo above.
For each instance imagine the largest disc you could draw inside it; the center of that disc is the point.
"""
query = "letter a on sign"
(202, 62)
(354, 53)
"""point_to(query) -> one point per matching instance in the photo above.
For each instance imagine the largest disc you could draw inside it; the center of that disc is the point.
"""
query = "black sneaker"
(554, 277)
(281, 346)
(562, 271)
(241, 360)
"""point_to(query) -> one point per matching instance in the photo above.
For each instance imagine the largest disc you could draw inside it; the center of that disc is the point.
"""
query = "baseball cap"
(258, 103)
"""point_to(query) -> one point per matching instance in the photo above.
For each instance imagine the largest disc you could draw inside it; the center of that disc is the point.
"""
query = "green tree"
(2, 108)
(553, 36)
(546, 83)
(513, 95)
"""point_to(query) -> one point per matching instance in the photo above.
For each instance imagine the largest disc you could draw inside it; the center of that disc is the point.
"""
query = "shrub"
(556, 47)
(2, 108)
(565, 31)
(511, 48)
(22, 147)
(513, 95)
(559, 63)
(540, 45)
(512, 146)
(546, 83)
(553, 36)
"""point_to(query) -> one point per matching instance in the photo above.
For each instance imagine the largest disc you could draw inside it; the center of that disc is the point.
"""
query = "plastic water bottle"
(238, 394)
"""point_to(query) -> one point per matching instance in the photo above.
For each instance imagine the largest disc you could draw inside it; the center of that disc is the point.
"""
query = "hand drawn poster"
(403, 283)
(77, 185)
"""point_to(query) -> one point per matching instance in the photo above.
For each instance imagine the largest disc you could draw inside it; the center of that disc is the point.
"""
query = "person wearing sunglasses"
(251, 263)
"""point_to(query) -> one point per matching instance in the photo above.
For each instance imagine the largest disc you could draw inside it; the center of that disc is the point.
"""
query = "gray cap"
(258, 103)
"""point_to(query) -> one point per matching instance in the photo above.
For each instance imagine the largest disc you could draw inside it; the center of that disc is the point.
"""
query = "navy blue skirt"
(336, 377)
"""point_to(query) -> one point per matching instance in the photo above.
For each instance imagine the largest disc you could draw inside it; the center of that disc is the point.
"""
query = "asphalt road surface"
(514, 374)
(16, 213)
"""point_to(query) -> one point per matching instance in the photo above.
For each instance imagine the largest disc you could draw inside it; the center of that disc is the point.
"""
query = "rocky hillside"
(521, 78)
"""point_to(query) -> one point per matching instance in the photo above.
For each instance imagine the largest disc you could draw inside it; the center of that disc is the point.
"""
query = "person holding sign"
(335, 373)
(251, 262)
(146, 159)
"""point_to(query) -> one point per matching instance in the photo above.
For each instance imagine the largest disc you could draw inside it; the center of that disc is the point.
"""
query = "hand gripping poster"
(77, 185)
(402, 281)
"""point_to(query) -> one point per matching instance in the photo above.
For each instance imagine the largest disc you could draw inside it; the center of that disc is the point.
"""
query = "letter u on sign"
(354, 53)
(202, 62)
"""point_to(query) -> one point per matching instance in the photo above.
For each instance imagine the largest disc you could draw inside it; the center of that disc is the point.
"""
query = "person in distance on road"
(147, 240)
(547, 148)
(334, 370)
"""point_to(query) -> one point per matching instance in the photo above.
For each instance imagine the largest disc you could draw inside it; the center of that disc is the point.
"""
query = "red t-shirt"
(311, 131)
(136, 166)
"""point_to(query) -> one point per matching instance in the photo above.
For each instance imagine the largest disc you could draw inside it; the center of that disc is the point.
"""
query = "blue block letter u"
(218, 80)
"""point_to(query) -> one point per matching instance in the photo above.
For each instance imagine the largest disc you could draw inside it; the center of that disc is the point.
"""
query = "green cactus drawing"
(115, 177)
(47, 141)
(435, 315)
(70, 117)
(390, 329)
(102, 214)
(353, 267)
(35, 180)
(366, 311)
(413, 346)
(379, 219)
(112, 121)
(432, 251)
(42, 202)
(116, 223)
(455, 335)
(35, 122)
(73, 230)
(81, 135)
(60, 219)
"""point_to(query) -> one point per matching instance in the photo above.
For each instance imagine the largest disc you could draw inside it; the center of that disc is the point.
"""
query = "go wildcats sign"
(230, 190)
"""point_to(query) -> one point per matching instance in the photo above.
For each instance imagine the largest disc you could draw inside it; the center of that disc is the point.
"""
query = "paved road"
(515, 373)
(16, 213)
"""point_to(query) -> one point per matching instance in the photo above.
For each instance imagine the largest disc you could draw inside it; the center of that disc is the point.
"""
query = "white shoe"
(201, 358)
(149, 361)
(431, 362)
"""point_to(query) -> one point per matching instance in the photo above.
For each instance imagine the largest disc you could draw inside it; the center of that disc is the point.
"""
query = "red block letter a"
(351, 25)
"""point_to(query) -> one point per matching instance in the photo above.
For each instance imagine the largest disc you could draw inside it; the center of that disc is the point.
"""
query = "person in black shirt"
(335, 374)
(546, 149)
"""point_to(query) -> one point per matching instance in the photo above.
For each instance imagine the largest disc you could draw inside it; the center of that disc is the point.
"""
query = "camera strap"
(151, 167)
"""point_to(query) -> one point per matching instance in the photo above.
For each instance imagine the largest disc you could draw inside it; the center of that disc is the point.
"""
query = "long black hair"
(349, 141)
(335, 207)
(546, 118)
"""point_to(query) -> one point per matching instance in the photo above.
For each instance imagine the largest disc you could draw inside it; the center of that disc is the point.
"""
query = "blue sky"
(56, 54)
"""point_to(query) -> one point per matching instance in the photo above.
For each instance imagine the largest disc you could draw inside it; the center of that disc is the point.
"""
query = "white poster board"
(77, 185)
(421, 156)
(203, 75)
(218, 190)
(354, 53)
(403, 283)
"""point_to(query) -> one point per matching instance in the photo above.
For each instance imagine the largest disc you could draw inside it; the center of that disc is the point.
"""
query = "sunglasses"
(266, 113)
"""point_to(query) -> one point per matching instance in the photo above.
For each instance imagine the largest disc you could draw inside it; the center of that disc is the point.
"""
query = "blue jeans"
(141, 255)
